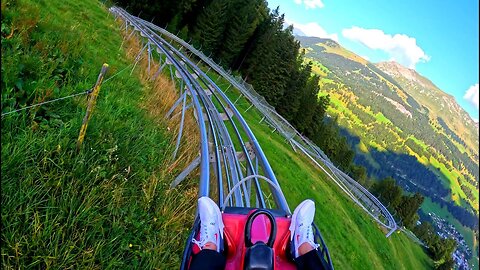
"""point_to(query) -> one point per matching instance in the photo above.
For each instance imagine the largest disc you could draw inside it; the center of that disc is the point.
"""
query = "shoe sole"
(294, 218)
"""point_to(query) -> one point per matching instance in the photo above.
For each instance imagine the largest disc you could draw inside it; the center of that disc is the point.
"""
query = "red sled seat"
(235, 245)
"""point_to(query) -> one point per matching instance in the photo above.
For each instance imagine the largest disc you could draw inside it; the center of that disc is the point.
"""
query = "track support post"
(194, 164)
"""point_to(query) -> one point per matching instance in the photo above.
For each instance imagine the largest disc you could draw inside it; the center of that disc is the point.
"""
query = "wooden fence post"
(92, 100)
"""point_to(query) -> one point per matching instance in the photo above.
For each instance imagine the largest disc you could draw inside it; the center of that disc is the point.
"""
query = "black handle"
(248, 227)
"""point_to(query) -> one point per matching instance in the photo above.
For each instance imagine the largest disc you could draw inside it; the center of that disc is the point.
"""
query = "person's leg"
(210, 235)
(211, 224)
(309, 261)
(302, 237)
(208, 259)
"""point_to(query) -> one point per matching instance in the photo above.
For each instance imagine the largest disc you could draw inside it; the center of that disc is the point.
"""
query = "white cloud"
(399, 47)
(310, 3)
(313, 29)
(472, 95)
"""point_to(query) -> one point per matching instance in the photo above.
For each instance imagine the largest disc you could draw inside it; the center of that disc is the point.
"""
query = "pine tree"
(189, 10)
(162, 12)
(260, 61)
(289, 103)
(389, 192)
(408, 207)
(319, 114)
(273, 59)
(308, 102)
(264, 16)
(244, 18)
(448, 264)
(210, 26)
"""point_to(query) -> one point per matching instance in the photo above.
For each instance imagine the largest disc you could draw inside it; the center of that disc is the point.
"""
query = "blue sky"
(438, 38)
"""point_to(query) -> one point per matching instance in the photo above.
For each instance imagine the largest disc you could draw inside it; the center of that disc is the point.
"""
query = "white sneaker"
(301, 225)
(211, 224)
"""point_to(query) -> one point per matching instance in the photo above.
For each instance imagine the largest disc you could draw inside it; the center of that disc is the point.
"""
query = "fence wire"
(84, 92)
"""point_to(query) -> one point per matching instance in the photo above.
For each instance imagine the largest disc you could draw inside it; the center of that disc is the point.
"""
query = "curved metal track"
(360, 195)
(223, 131)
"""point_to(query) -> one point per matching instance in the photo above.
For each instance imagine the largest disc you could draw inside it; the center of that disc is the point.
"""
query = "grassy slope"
(109, 205)
(343, 52)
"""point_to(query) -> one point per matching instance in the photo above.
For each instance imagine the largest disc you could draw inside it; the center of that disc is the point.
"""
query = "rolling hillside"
(401, 125)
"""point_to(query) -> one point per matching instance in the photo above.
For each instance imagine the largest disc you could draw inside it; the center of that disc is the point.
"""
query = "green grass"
(457, 192)
(460, 147)
(318, 68)
(324, 81)
(417, 141)
(343, 52)
(109, 205)
(339, 108)
(362, 147)
(382, 119)
(377, 146)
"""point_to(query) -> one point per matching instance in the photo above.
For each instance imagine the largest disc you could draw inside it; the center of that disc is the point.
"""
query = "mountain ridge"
(385, 66)
(299, 34)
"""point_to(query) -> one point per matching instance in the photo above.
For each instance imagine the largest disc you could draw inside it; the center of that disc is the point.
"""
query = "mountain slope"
(402, 126)
(456, 122)
(411, 115)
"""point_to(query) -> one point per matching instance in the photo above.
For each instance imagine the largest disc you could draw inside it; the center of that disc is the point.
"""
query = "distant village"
(445, 230)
